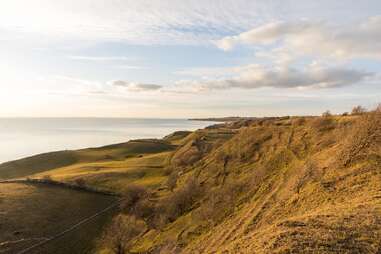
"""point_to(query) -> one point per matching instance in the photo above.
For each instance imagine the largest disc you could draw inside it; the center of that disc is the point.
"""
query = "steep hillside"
(314, 186)
(284, 185)
(261, 185)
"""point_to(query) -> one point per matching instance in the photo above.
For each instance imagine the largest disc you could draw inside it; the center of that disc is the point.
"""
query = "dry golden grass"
(294, 197)
(272, 185)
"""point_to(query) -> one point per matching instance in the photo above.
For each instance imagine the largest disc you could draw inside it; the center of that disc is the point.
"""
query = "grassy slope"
(38, 211)
(148, 170)
(306, 185)
(30, 211)
(44, 162)
(306, 200)
(300, 194)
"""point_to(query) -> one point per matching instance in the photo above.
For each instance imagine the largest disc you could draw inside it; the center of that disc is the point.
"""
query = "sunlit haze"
(178, 59)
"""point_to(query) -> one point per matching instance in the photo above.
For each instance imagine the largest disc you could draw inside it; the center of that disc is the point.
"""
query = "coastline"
(24, 138)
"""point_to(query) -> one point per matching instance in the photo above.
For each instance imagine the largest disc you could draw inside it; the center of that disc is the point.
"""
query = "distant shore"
(222, 119)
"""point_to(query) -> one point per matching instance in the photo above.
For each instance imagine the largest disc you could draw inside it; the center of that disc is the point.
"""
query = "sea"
(23, 137)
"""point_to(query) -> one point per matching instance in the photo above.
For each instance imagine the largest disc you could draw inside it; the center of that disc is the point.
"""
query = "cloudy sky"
(188, 58)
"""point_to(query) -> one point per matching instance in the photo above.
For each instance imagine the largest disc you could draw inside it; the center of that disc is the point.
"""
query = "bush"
(323, 123)
(221, 202)
(120, 233)
(180, 201)
(136, 203)
(132, 196)
(187, 157)
(358, 110)
(80, 182)
(326, 114)
(299, 121)
(145, 210)
(364, 141)
(169, 247)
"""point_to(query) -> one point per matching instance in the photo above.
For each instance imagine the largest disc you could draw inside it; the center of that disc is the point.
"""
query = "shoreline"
(43, 138)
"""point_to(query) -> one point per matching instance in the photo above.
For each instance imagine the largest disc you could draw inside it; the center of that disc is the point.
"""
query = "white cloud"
(256, 76)
(361, 40)
(100, 58)
(131, 67)
(207, 71)
(135, 87)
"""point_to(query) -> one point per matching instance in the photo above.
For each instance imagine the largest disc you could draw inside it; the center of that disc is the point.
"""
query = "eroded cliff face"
(278, 185)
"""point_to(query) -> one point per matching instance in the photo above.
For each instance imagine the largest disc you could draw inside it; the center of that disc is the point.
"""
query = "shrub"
(221, 202)
(136, 203)
(120, 233)
(323, 123)
(145, 210)
(187, 157)
(299, 121)
(132, 196)
(364, 141)
(358, 110)
(180, 201)
(169, 247)
(326, 114)
(80, 182)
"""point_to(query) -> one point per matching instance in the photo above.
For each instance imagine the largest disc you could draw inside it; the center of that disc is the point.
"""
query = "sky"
(188, 58)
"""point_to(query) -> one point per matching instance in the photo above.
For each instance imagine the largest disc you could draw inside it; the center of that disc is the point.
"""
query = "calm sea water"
(21, 137)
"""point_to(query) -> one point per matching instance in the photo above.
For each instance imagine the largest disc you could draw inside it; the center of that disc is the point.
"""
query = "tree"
(181, 200)
(119, 235)
(358, 110)
(132, 196)
(326, 114)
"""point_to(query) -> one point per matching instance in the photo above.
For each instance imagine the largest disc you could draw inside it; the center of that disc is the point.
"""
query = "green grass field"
(44, 162)
(147, 170)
